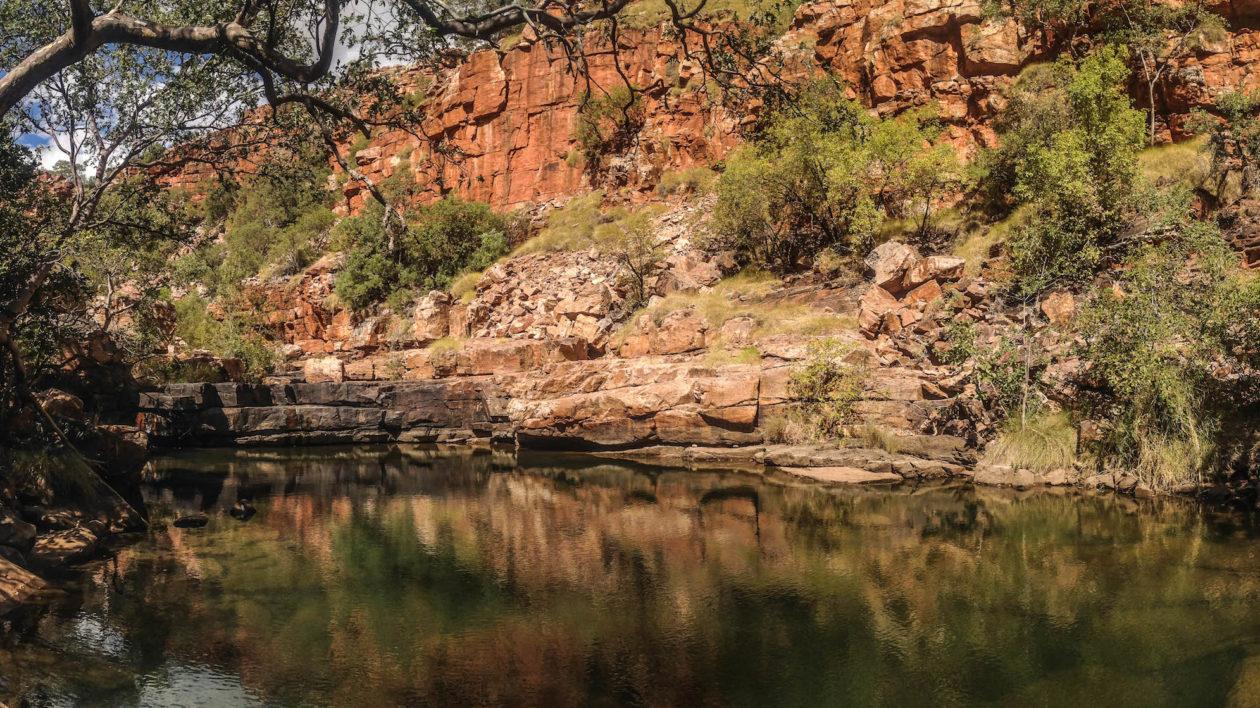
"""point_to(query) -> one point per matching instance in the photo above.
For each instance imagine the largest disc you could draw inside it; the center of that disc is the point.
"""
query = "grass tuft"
(1043, 443)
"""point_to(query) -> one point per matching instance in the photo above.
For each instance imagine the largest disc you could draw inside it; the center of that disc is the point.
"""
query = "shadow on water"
(408, 575)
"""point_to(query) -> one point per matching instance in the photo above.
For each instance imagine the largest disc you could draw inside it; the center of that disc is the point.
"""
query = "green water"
(375, 577)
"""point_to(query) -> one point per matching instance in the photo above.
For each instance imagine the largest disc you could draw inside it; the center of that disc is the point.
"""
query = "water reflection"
(375, 577)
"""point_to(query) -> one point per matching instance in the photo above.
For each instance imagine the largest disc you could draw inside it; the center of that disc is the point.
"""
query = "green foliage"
(828, 386)
(1233, 143)
(693, 180)
(238, 334)
(443, 240)
(275, 226)
(1001, 373)
(632, 243)
(823, 173)
(582, 223)
(1182, 312)
(1073, 159)
(222, 196)
(1040, 443)
(608, 124)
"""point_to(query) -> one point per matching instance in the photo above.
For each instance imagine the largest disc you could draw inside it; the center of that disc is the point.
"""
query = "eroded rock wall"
(500, 125)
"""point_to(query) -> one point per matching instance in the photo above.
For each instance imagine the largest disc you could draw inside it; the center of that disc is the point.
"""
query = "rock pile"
(547, 296)
(907, 288)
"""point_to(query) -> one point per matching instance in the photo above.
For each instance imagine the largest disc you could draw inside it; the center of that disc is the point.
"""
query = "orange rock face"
(500, 125)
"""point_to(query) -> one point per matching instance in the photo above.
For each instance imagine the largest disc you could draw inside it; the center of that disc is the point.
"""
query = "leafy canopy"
(822, 173)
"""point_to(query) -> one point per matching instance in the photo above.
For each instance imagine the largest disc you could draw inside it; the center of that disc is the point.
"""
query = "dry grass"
(878, 437)
(738, 296)
(464, 287)
(646, 14)
(721, 356)
(444, 345)
(694, 180)
(1180, 162)
(1046, 442)
(975, 244)
(790, 427)
(577, 226)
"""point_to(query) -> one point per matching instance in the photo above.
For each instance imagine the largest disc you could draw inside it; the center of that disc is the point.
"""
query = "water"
(375, 577)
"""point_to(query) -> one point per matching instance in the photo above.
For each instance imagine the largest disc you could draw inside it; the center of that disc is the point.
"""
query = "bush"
(1070, 153)
(827, 386)
(1183, 313)
(693, 180)
(608, 124)
(1233, 143)
(1002, 374)
(823, 173)
(632, 243)
(238, 334)
(275, 226)
(443, 240)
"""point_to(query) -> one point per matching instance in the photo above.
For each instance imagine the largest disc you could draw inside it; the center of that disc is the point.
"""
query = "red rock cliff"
(501, 124)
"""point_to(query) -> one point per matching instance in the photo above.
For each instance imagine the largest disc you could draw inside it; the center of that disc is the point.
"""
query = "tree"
(442, 240)
(823, 172)
(1233, 140)
(1157, 34)
(1080, 177)
(632, 243)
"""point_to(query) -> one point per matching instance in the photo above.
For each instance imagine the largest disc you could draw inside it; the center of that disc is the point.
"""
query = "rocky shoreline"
(479, 412)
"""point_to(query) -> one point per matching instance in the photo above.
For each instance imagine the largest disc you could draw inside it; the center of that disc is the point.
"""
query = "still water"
(381, 577)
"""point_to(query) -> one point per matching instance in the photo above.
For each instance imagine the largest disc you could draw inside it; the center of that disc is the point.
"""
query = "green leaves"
(1180, 313)
(443, 240)
(1077, 168)
(823, 173)
(828, 386)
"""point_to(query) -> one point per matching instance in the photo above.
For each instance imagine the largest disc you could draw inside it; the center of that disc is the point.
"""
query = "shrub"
(608, 124)
(1002, 374)
(239, 334)
(632, 243)
(275, 226)
(693, 180)
(1076, 165)
(822, 173)
(443, 240)
(1233, 143)
(1154, 350)
(827, 386)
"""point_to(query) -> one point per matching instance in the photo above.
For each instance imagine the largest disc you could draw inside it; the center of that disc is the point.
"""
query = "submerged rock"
(191, 522)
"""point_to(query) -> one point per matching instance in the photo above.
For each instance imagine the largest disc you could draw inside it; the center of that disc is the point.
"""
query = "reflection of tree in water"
(412, 577)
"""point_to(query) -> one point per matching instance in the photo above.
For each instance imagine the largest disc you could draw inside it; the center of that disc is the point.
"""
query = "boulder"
(942, 268)
(888, 263)
(16, 533)
(62, 548)
(926, 292)
(1058, 307)
(872, 307)
(16, 584)
(62, 405)
(681, 331)
(432, 320)
(738, 331)
(324, 370)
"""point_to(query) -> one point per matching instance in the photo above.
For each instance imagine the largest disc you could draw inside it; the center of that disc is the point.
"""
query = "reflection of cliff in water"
(395, 576)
